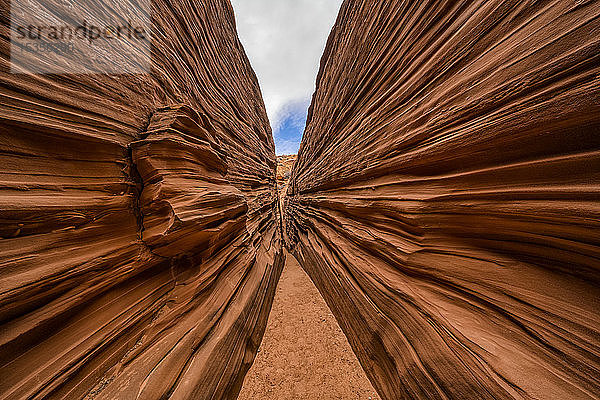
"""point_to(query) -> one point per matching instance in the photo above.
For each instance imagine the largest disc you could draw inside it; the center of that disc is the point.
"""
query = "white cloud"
(284, 40)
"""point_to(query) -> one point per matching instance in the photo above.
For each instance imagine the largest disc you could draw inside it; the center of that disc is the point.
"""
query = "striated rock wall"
(285, 164)
(139, 239)
(446, 197)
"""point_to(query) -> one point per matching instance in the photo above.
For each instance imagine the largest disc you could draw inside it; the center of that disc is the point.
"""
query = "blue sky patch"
(290, 126)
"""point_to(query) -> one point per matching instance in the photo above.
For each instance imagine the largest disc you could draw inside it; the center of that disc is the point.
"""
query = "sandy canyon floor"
(304, 354)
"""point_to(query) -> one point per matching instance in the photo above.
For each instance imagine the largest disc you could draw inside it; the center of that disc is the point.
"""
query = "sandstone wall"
(139, 239)
(446, 197)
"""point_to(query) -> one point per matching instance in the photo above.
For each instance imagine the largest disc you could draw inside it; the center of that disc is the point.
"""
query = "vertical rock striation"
(446, 197)
(139, 239)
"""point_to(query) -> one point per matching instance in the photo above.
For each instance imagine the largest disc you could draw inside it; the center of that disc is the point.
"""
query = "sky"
(284, 40)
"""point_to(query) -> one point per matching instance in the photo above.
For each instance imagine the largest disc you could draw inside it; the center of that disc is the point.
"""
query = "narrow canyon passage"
(304, 353)
(444, 201)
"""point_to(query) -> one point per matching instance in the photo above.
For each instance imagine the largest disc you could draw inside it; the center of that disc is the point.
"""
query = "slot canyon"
(445, 202)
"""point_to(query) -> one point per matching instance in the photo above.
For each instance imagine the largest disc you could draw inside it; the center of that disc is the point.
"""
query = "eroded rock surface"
(446, 197)
(284, 168)
(140, 246)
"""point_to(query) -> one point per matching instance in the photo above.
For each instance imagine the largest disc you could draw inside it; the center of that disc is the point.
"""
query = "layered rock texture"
(446, 197)
(284, 168)
(140, 244)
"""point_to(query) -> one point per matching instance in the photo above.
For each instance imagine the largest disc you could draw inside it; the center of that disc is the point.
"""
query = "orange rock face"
(284, 168)
(139, 238)
(446, 197)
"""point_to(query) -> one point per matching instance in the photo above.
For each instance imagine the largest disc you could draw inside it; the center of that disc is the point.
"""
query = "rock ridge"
(140, 241)
(445, 199)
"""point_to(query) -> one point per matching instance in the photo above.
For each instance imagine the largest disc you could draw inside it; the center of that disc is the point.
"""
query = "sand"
(304, 354)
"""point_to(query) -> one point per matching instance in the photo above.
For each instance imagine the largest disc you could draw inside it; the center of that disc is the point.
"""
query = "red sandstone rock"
(284, 168)
(139, 246)
(446, 197)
